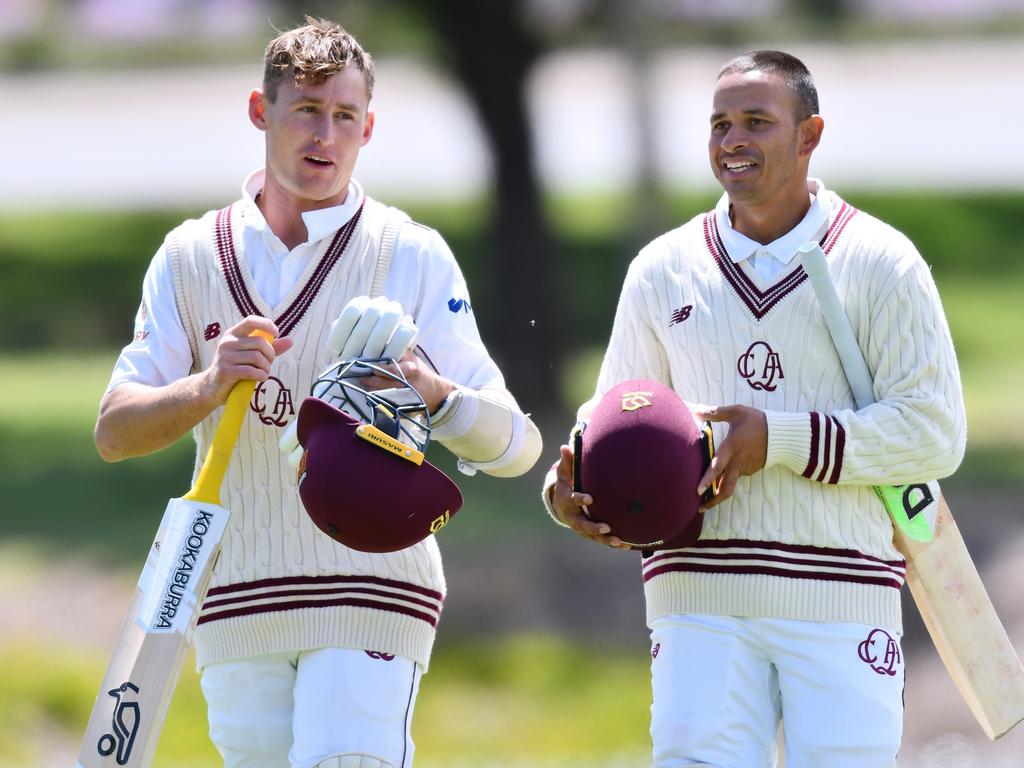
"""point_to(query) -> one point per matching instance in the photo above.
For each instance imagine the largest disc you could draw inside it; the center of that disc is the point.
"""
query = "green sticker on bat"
(906, 505)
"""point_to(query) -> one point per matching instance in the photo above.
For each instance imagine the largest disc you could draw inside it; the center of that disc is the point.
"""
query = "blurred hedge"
(72, 280)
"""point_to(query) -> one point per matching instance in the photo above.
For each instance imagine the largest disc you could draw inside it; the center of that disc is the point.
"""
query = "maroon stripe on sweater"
(759, 302)
(826, 441)
(778, 546)
(211, 604)
(763, 571)
(812, 460)
(846, 212)
(812, 564)
(745, 283)
(294, 606)
(229, 266)
(840, 447)
(299, 580)
(295, 312)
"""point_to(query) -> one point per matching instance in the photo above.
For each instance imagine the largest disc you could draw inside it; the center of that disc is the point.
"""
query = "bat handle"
(211, 475)
(812, 258)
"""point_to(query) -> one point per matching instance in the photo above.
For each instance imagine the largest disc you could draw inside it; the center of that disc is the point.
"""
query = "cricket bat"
(943, 579)
(132, 703)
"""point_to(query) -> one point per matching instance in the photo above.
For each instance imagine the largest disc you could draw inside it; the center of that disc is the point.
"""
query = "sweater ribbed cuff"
(789, 440)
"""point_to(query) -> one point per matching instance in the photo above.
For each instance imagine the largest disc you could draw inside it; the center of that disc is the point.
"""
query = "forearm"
(487, 430)
(136, 420)
(917, 428)
(883, 444)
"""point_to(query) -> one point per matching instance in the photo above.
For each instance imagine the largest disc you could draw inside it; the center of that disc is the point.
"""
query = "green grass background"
(523, 699)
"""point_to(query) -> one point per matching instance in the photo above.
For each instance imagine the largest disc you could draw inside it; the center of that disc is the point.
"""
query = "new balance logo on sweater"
(681, 314)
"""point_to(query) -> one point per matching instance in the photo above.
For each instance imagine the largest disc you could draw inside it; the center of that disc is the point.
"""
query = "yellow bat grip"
(211, 475)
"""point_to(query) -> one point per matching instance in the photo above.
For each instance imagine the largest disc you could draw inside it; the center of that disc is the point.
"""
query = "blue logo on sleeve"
(459, 305)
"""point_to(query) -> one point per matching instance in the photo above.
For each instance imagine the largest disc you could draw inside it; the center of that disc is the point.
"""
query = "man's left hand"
(743, 452)
(371, 329)
(433, 387)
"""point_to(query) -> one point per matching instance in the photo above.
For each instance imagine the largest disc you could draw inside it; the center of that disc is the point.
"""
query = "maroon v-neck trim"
(759, 302)
(232, 271)
(229, 267)
(294, 313)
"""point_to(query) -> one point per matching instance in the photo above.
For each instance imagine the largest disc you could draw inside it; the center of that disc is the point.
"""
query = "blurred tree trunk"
(636, 33)
(492, 53)
(829, 11)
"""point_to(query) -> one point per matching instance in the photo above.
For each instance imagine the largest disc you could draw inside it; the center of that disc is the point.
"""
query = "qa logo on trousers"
(880, 652)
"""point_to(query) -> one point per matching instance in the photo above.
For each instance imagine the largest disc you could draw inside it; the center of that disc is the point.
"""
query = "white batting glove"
(366, 329)
(289, 441)
(289, 444)
(369, 329)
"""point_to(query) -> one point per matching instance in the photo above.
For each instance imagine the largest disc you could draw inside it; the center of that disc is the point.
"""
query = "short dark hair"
(311, 54)
(789, 68)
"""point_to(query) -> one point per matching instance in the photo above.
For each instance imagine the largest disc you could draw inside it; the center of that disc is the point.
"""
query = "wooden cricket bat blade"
(964, 626)
(943, 580)
(132, 703)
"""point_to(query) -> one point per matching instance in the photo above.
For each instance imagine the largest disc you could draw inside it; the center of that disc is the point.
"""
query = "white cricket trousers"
(721, 685)
(298, 708)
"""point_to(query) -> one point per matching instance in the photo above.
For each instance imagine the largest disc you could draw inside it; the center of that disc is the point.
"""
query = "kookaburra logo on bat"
(124, 723)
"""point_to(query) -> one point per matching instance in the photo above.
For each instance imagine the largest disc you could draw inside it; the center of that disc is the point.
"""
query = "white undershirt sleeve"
(482, 423)
(159, 352)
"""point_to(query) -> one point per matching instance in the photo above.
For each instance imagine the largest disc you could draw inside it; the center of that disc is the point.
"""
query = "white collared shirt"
(771, 259)
(274, 268)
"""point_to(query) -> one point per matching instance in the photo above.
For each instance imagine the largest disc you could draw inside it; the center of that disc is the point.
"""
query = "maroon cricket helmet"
(641, 455)
(364, 481)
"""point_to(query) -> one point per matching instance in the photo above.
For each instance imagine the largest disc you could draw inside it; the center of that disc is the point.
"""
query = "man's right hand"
(570, 506)
(240, 356)
(138, 419)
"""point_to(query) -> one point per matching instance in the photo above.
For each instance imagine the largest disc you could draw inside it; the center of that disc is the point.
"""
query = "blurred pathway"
(899, 114)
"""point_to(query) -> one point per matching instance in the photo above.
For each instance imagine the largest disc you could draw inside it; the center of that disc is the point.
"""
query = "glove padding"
(371, 329)
(289, 444)
(366, 329)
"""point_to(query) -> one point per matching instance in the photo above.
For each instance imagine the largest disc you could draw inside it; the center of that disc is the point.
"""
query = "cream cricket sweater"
(805, 538)
(280, 584)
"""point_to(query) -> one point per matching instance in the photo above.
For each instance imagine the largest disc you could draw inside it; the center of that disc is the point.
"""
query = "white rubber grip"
(850, 356)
